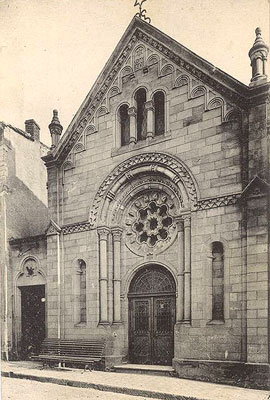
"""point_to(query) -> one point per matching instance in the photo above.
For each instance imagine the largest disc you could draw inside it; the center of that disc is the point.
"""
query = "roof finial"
(55, 129)
(142, 12)
(258, 56)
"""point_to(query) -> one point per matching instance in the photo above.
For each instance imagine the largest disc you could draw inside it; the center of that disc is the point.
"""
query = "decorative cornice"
(233, 90)
(95, 102)
(28, 239)
(221, 201)
(203, 204)
(76, 227)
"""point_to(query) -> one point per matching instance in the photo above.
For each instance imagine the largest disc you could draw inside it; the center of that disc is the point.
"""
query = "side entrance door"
(151, 325)
(33, 319)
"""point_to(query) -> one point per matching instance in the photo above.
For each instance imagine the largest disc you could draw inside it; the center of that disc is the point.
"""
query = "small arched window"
(124, 124)
(217, 281)
(80, 292)
(159, 105)
(140, 98)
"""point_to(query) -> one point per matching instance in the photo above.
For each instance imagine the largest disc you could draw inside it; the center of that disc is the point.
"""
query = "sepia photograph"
(135, 199)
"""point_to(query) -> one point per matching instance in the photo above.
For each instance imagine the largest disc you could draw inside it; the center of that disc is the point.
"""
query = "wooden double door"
(151, 329)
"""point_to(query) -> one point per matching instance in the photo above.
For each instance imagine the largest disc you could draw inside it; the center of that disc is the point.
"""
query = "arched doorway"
(151, 316)
(30, 308)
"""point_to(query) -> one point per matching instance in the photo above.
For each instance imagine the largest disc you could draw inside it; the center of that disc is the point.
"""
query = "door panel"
(140, 331)
(33, 319)
(163, 325)
(151, 330)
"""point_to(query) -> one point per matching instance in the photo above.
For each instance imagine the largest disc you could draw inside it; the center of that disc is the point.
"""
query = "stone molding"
(203, 204)
(213, 202)
(132, 188)
(104, 88)
(160, 159)
(76, 227)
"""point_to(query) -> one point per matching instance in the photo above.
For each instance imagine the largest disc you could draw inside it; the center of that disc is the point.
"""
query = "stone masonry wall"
(212, 151)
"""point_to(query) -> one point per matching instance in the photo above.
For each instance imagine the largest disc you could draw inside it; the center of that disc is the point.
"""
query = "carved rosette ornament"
(150, 223)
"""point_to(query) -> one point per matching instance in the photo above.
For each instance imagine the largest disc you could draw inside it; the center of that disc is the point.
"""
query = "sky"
(51, 51)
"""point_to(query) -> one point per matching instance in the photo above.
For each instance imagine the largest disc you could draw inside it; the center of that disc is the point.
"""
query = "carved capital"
(132, 111)
(117, 234)
(103, 232)
(149, 105)
(187, 221)
(180, 224)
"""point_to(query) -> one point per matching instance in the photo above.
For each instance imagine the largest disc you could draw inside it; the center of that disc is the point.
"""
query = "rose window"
(152, 224)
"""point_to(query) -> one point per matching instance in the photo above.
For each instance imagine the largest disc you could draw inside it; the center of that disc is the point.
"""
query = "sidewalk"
(158, 387)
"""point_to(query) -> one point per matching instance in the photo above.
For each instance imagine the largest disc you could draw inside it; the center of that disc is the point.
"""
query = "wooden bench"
(71, 351)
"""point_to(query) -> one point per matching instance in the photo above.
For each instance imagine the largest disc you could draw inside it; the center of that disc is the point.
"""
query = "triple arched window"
(159, 107)
(149, 117)
(140, 97)
(124, 124)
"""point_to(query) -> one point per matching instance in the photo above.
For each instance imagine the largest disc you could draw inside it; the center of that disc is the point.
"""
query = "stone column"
(180, 274)
(132, 112)
(149, 106)
(117, 233)
(187, 271)
(103, 273)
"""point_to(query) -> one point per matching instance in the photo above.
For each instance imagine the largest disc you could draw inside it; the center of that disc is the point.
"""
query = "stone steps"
(162, 370)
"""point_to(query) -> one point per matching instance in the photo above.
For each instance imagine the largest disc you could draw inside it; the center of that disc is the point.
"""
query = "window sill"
(140, 145)
(216, 322)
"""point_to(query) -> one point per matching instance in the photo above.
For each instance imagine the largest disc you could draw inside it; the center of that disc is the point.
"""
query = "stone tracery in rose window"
(150, 223)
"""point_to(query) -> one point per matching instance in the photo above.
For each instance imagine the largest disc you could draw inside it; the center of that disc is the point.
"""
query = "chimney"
(32, 128)
(55, 129)
(258, 56)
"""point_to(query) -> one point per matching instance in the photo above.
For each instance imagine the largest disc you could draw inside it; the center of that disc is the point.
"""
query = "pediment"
(257, 187)
(142, 46)
(53, 229)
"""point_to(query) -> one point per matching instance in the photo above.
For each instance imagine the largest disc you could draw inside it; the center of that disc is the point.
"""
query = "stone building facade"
(24, 219)
(158, 199)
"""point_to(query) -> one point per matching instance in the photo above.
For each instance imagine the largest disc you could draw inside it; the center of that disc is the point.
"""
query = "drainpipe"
(5, 277)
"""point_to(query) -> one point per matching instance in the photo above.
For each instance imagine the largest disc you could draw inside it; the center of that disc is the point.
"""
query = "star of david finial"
(142, 11)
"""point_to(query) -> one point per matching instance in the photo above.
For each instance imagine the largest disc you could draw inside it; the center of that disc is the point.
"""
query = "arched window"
(217, 281)
(140, 98)
(124, 124)
(159, 105)
(80, 292)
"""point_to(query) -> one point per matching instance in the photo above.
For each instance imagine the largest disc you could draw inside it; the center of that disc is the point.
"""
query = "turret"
(55, 129)
(258, 56)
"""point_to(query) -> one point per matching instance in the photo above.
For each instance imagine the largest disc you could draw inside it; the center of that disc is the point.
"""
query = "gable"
(142, 46)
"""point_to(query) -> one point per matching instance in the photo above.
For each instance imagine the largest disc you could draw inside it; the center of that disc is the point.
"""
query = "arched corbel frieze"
(159, 163)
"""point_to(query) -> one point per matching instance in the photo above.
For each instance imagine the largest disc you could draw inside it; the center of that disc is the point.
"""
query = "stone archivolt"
(133, 188)
(163, 164)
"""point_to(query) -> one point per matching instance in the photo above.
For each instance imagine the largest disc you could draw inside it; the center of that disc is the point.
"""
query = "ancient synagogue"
(158, 230)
